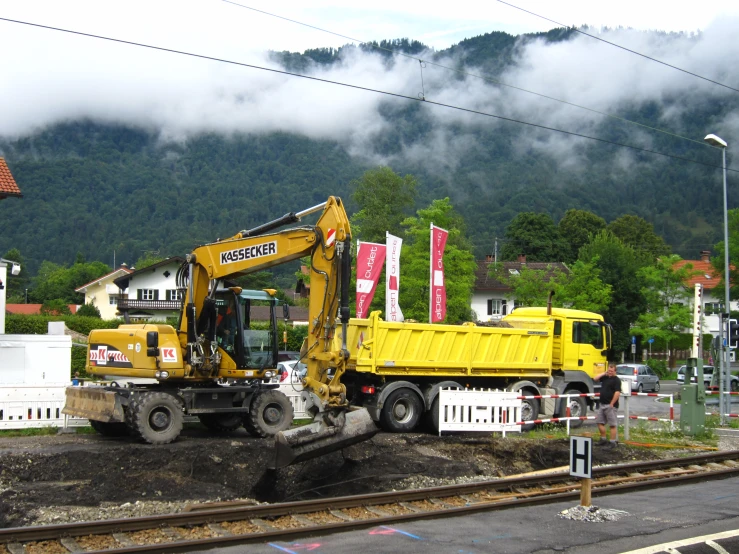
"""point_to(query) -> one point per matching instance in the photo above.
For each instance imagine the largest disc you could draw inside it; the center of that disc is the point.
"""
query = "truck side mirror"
(152, 344)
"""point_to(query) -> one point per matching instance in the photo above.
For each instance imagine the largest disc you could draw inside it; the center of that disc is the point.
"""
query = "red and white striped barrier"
(568, 417)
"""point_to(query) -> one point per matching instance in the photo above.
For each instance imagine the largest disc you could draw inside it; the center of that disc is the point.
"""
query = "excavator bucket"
(318, 438)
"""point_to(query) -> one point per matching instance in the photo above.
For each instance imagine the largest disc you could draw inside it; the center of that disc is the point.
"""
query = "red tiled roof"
(707, 276)
(31, 309)
(8, 186)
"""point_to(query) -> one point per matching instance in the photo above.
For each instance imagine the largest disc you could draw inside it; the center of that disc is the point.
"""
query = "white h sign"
(581, 457)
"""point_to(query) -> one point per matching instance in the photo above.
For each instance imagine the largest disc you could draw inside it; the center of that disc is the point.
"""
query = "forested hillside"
(98, 188)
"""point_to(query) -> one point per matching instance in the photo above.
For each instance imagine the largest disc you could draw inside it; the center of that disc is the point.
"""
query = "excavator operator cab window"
(257, 334)
(226, 324)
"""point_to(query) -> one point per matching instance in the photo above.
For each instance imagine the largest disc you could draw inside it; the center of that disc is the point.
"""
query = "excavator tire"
(109, 429)
(155, 417)
(221, 423)
(270, 412)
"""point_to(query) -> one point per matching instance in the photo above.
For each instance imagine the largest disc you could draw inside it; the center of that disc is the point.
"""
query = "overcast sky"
(50, 77)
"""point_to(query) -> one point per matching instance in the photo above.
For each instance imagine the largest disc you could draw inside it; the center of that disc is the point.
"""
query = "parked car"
(287, 355)
(290, 372)
(708, 377)
(641, 377)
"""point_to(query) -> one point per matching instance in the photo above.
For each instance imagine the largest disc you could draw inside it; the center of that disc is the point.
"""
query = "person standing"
(610, 391)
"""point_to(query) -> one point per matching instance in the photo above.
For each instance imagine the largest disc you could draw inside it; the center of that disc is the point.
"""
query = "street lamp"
(718, 142)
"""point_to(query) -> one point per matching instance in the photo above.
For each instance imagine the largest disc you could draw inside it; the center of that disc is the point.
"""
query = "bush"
(89, 310)
(39, 324)
(659, 367)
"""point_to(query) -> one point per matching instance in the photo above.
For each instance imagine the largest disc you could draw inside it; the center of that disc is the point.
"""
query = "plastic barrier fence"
(31, 406)
(479, 410)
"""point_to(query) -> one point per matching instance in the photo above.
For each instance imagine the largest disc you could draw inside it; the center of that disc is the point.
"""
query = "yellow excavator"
(216, 366)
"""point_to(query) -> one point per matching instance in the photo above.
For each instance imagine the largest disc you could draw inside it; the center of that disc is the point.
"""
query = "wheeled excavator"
(215, 366)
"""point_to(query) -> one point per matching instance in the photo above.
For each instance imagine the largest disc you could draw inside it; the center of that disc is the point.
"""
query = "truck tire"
(578, 408)
(401, 411)
(221, 423)
(529, 411)
(156, 417)
(109, 429)
(269, 413)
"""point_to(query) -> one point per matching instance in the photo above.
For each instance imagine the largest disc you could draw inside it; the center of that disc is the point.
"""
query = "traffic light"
(733, 333)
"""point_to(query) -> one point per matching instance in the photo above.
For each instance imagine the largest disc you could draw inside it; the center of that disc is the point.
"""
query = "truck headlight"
(161, 374)
(268, 374)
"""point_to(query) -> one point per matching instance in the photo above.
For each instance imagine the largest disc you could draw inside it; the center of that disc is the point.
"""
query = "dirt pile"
(54, 479)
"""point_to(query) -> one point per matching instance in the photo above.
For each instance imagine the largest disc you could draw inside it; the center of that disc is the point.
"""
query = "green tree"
(89, 310)
(15, 288)
(415, 260)
(619, 265)
(384, 199)
(638, 233)
(668, 300)
(54, 281)
(580, 288)
(718, 261)
(578, 227)
(536, 236)
(57, 306)
(149, 257)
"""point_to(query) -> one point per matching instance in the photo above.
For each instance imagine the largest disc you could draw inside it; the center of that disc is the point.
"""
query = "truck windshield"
(587, 332)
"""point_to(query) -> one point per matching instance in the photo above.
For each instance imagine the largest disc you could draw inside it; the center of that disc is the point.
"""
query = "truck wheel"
(270, 412)
(401, 411)
(529, 411)
(578, 408)
(432, 416)
(156, 417)
(221, 422)
(109, 429)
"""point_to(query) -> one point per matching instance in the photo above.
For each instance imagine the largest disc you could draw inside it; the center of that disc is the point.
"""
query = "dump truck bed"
(422, 349)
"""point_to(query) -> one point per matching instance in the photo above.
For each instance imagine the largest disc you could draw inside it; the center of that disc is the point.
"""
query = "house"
(103, 293)
(150, 293)
(491, 299)
(8, 186)
(713, 291)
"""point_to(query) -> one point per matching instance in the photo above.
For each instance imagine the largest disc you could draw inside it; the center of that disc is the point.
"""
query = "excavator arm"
(328, 244)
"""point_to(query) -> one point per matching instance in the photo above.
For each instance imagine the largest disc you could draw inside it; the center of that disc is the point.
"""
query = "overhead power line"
(467, 73)
(621, 47)
(359, 87)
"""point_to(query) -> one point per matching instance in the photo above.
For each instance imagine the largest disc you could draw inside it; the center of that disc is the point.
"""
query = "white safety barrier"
(479, 410)
(29, 406)
(32, 406)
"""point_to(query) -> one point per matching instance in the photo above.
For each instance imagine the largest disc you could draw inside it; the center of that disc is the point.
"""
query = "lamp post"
(718, 142)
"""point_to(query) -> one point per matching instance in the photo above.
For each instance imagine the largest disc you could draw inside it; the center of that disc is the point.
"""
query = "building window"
(497, 307)
(711, 308)
(174, 294)
(148, 294)
(113, 300)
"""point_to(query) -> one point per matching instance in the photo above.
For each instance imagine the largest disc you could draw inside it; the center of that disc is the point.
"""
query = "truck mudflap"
(93, 403)
(319, 438)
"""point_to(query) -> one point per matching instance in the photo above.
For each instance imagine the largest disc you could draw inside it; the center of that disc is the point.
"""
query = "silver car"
(708, 377)
(641, 377)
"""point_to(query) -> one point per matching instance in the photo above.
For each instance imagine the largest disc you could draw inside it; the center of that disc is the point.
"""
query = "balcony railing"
(125, 304)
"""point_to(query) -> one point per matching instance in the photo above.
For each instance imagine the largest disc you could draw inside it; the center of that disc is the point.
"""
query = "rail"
(205, 526)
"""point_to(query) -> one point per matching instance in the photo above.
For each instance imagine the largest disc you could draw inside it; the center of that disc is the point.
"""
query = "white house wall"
(154, 280)
(480, 304)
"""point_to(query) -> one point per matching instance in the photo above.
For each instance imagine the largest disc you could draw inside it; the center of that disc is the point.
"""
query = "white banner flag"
(392, 278)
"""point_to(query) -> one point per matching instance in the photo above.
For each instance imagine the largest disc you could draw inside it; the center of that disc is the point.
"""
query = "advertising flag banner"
(437, 304)
(392, 278)
(370, 259)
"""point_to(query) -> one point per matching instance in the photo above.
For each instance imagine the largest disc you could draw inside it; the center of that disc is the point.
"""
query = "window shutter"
(490, 307)
(504, 308)
(138, 294)
(156, 294)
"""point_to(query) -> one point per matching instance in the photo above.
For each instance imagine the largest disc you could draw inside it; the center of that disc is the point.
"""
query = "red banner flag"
(370, 258)
(437, 304)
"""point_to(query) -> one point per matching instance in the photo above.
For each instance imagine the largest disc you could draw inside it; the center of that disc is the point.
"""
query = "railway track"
(229, 523)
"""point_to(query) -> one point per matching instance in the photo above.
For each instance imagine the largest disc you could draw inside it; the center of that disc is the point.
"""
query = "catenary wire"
(621, 47)
(469, 74)
(367, 89)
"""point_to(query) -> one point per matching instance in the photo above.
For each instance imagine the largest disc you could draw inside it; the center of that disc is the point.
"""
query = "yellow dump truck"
(395, 370)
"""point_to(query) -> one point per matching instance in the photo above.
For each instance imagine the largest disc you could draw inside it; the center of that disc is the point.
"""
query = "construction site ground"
(79, 477)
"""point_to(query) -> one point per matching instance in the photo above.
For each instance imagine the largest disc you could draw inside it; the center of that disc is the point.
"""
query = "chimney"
(705, 255)
(489, 258)
(522, 258)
